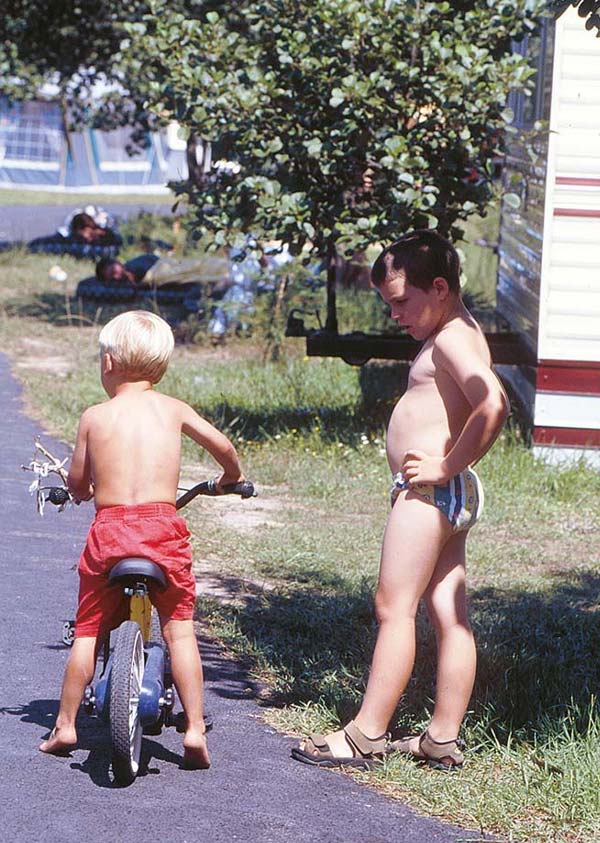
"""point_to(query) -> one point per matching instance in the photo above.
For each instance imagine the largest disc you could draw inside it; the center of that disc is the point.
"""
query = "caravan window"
(538, 49)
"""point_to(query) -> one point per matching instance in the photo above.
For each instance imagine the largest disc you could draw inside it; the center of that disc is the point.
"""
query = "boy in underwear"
(127, 457)
(451, 413)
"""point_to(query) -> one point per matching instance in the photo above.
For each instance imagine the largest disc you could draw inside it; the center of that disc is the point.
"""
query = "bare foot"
(195, 752)
(60, 741)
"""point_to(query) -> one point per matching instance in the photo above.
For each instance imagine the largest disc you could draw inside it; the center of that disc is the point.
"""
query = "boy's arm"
(489, 409)
(215, 442)
(79, 481)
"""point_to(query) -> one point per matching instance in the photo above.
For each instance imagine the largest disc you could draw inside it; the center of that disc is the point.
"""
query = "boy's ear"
(108, 364)
(440, 285)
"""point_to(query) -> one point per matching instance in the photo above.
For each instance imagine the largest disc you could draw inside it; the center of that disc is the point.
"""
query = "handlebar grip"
(209, 487)
(58, 496)
(245, 489)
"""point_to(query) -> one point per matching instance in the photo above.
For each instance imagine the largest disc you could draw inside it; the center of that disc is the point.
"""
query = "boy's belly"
(419, 422)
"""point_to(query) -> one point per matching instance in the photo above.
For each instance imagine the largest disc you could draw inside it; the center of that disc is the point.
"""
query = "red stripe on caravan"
(569, 436)
(577, 212)
(568, 376)
(579, 182)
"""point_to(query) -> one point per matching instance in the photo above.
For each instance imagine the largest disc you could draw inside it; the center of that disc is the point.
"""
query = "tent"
(36, 151)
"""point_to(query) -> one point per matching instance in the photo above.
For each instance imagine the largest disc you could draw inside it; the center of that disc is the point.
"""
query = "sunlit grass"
(311, 434)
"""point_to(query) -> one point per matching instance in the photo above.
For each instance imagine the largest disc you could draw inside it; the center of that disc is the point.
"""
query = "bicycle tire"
(125, 684)
(156, 635)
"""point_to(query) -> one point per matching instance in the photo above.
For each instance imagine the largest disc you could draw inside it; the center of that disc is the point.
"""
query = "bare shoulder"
(462, 338)
(173, 405)
(178, 411)
(93, 415)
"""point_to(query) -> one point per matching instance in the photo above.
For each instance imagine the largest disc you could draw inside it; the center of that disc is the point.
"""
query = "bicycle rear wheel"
(125, 685)
(156, 635)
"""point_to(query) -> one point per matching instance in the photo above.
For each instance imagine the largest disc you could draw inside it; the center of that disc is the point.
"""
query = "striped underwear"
(460, 499)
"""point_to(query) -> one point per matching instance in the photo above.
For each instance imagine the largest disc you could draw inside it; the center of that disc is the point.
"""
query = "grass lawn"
(301, 561)
(9, 196)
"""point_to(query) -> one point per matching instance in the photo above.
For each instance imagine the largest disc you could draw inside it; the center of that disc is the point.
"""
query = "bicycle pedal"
(89, 701)
(178, 720)
(68, 633)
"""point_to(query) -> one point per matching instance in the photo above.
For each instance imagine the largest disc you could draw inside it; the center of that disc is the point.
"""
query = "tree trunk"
(196, 172)
(331, 323)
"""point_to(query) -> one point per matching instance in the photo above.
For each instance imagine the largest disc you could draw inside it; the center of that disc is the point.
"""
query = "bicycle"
(134, 694)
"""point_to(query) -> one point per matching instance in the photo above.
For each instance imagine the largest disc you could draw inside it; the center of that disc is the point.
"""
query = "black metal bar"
(245, 489)
(507, 348)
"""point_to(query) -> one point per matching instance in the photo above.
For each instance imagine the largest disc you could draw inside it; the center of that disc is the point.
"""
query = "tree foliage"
(349, 121)
(74, 46)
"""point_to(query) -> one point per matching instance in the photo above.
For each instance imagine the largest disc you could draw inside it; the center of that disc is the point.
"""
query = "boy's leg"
(457, 658)
(414, 537)
(187, 675)
(78, 674)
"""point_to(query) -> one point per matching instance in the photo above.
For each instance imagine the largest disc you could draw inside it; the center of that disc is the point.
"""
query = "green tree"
(74, 46)
(348, 121)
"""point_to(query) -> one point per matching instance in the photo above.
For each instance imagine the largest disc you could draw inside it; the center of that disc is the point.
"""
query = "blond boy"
(451, 413)
(127, 457)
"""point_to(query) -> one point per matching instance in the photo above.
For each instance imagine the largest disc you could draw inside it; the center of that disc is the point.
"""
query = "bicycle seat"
(135, 567)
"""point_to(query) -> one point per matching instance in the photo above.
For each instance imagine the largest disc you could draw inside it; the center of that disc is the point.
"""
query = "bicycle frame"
(155, 694)
(140, 611)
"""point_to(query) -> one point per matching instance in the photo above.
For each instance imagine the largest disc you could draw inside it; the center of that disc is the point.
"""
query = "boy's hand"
(228, 480)
(86, 497)
(421, 469)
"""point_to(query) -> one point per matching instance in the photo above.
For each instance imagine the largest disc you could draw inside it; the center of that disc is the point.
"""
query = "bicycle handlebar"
(59, 495)
(245, 490)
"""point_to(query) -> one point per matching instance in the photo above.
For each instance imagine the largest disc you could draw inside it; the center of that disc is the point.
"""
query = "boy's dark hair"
(423, 255)
(103, 264)
(80, 221)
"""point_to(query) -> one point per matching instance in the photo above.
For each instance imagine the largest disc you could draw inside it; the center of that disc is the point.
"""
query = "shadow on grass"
(62, 310)
(337, 424)
(57, 309)
(537, 653)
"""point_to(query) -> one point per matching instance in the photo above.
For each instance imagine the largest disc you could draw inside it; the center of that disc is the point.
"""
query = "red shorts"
(153, 531)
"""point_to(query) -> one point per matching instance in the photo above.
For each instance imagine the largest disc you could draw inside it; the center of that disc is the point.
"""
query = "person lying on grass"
(451, 413)
(127, 457)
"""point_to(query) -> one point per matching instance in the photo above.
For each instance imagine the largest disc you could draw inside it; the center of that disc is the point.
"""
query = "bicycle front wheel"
(125, 686)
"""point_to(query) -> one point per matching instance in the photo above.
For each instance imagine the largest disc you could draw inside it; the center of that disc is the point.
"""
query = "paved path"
(253, 792)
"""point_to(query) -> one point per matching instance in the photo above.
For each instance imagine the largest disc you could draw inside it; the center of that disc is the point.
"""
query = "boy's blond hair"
(140, 343)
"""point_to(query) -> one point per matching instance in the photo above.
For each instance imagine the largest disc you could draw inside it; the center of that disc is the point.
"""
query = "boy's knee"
(82, 657)
(175, 630)
(448, 611)
(447, 619)
(389, 609)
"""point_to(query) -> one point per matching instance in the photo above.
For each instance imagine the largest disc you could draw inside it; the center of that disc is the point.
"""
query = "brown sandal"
(366, 752)
(441, 755)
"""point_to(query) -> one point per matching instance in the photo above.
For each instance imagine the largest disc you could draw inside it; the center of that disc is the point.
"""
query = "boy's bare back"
(130, 446)
(128, 449)
(133, 442)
